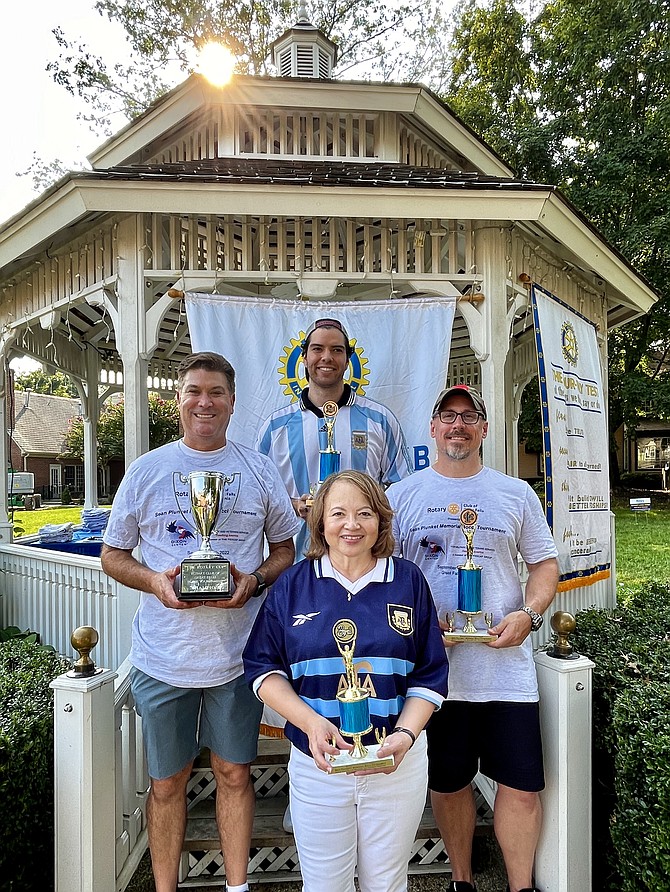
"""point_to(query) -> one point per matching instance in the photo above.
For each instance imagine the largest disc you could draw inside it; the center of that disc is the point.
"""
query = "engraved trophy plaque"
(354, 710)
(205, 574)
(469, 589)
(329, 458)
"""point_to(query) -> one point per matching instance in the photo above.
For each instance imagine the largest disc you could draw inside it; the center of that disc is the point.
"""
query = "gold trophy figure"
(205, 574)
(469, 588)
(329, 458)
(354, 709)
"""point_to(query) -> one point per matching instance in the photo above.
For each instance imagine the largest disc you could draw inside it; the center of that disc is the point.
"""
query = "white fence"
(53, 593)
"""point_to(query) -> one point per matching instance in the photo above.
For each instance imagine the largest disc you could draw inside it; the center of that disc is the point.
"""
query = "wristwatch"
(536, 619)
(262, 584)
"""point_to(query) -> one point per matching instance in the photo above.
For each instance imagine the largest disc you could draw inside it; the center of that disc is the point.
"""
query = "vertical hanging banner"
(400, 359)
(574, 423)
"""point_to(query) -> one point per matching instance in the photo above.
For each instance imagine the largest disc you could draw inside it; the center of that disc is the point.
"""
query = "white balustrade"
(52, 593)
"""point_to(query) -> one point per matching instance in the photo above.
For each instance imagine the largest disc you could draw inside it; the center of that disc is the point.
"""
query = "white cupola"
(303, 50)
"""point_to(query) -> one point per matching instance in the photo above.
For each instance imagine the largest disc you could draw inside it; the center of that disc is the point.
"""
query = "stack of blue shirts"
(56, 532)
(95, 519)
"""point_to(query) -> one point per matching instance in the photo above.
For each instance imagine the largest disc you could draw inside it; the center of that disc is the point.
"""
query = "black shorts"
(500, 739)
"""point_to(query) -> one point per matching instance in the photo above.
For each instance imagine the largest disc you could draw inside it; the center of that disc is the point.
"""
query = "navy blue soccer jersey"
(398, 650)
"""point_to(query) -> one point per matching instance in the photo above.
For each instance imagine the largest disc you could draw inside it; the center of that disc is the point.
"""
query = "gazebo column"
(130, 327)
(91, 413)
(6, 527)
(137, 326)
(494, 344)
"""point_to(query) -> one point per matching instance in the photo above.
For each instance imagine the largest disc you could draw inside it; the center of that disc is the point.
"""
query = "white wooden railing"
(53, 593)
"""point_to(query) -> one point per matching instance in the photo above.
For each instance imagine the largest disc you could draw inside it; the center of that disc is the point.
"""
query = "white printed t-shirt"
(510, 522)
(198, 647)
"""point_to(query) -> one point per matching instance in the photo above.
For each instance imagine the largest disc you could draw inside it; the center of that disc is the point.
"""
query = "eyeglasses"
(469, 417)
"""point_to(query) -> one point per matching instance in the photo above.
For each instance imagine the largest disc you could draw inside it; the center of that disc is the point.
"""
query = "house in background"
(37, 428)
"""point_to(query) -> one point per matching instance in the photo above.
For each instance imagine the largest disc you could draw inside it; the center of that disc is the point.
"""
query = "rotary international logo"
(569, 344)
(292, 370)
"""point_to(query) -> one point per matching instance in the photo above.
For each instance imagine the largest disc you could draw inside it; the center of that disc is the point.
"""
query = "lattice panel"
(269, 781)
(200, 786)
(428, 851)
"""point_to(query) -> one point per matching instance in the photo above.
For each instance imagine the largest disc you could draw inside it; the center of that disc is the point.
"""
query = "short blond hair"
(376, 496)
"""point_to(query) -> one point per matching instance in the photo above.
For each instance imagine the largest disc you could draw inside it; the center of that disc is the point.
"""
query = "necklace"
(345, 583)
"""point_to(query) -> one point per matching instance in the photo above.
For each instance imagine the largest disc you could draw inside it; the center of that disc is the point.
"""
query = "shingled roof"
(262, 171)
(41, 421)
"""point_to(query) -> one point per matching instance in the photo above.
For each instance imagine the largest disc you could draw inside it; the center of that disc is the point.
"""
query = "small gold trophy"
(354, 710)
(329, 458)
(205, 574)
(469, 588)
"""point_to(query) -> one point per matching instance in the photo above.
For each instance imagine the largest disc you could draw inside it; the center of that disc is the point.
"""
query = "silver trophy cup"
(205, 574)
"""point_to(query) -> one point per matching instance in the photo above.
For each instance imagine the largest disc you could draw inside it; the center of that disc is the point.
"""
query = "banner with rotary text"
(400, 359)
(574, 422)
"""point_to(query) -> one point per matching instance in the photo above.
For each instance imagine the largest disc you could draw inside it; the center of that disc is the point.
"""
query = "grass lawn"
(31, 521)
(643, 542)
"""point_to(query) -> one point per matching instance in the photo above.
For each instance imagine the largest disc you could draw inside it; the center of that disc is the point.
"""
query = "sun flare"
(216, 63)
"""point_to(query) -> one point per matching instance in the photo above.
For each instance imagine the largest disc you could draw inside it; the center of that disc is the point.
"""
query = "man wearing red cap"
(490, 721)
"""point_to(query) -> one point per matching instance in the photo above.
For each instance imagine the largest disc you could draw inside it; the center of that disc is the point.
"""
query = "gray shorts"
(178, 722)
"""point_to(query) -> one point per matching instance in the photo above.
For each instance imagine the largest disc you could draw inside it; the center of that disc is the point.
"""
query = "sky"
(39, 115)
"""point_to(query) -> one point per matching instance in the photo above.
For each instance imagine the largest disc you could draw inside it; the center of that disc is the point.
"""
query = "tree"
(389, 38)
(587, 109)
(163, 428)
(59, 384)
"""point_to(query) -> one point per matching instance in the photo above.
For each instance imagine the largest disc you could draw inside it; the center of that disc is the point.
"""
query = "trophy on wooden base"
(205, 574)
(469, 589)
(354, 711)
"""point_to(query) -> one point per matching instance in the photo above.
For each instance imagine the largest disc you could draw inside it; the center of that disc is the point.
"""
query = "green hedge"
(26, 764)
(631, 739)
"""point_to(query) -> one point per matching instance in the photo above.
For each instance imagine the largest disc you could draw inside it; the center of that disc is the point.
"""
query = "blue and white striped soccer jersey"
(367, 434)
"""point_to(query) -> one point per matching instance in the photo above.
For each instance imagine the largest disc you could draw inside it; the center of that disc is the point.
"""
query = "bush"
(641, 480)
(631, 739)
(26, 764)
(66, 496)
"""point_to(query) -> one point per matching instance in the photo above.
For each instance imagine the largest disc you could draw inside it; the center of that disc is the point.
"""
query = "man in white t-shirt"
(490, 721)
(187, 676)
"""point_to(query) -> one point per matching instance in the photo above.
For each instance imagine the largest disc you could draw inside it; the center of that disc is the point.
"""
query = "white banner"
(574, 421)
(400, 359)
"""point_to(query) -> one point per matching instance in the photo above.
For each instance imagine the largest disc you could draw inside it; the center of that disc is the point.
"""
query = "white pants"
(340, 821)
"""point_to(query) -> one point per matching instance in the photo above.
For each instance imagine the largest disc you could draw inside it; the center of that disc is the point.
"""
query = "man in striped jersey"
(367, 434)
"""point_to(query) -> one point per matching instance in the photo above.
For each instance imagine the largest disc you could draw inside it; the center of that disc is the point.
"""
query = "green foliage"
(631, 734)
(59, 384)
(578, 95)
(640, 480)
(641, 823)
(26, 764)
(530, 418)
(11, 633)
(163, 428)
(66, 496)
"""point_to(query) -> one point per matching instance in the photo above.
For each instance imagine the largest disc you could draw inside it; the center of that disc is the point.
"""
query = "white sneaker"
(287, 820)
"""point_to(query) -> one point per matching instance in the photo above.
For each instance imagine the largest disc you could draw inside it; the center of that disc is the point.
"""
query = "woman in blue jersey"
(367, 820)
